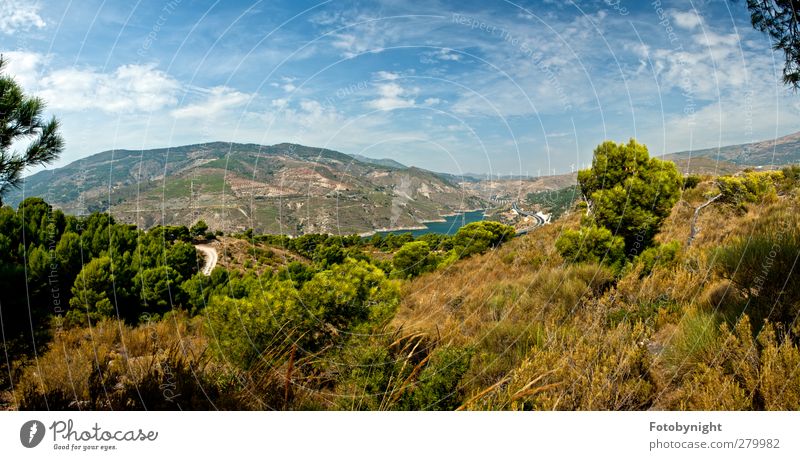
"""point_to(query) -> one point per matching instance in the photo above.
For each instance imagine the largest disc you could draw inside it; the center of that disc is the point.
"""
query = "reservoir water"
(450, 225)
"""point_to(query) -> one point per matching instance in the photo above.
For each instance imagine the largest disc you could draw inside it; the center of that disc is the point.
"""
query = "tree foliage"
(477, 237)
(413, 259)
(21, 119)
(592, 244)
(778, 19)
(750, 187)
(629, 193)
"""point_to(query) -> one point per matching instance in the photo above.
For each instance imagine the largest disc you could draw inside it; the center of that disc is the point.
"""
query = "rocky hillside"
(283, 188)
(781, 151)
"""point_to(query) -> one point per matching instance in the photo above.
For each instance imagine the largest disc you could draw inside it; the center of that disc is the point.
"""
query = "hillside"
(283, 188)
(663, 335)
(517, 189)
(703, 317)
(773, 152)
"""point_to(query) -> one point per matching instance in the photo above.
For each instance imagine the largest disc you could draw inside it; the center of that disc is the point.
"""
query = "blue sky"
(463, 86)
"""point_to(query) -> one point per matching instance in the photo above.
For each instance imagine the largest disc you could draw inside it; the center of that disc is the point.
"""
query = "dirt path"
(210, 256)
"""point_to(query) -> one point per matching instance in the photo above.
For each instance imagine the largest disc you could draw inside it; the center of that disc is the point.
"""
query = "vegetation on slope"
(478, 320)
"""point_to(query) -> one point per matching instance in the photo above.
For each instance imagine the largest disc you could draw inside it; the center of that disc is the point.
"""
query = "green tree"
(438, 384)
(329, 254)
(182, 257)
(477, 237)
(159, 288)
(92, 292)
(413, 258)
(21, 119)
(199, 229)
(342, 298)
(592, 244)
(630, 193)
(779, 19)
(244, 329)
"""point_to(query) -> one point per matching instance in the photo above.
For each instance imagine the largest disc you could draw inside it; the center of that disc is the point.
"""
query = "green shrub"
(438, 385)
(695, 342)
(790, 177)
(749, 188)
(477, 237)
(242, 329)
(322, 312)
(369, 371)
(413, 259)
(691, 181)
(660, 255)
(763, 267)
(592, 244)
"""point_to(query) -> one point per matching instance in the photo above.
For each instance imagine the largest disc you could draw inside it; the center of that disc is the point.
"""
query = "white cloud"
(24, 67)
(392, 96)
(385, 75)
(19, 16)
(687, 19)
(444, 54)
(288, 84)
(279, 103)
(432, 101)
(448, 55)
(218, 100)
(129, 88)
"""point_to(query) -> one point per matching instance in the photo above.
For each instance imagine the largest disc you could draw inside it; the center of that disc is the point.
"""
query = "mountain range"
(769, 153)
(283, 188)
(294, 189)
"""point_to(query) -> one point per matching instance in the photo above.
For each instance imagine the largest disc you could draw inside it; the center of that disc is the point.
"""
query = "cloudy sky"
(463, 86)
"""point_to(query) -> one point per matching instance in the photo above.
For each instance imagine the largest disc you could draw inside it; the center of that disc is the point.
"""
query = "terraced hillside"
(284, 188)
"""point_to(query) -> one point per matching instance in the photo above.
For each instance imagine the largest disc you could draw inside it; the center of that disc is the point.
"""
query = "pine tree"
(21, 120)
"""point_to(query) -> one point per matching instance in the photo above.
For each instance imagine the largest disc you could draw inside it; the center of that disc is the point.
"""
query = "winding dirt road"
(210, 256)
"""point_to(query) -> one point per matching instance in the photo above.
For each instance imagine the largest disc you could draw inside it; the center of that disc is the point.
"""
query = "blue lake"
(450, 225)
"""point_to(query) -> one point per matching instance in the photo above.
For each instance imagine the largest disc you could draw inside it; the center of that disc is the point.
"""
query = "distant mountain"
(774, 152)
(387, 162)
(283, 188)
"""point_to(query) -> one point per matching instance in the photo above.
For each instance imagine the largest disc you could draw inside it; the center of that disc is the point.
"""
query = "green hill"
(283, 188)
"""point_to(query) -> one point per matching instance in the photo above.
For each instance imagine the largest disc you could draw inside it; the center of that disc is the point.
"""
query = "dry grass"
(554, 336)
(93, 367)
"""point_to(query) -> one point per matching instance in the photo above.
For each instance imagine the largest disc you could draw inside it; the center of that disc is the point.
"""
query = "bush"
(592, 244)
(790, 177)
(413, 259)
(696, 341)
(243, 329)
(198, 229)
(691, 181)
(322, 312)
(477, 237)
(115, 367)
(660, 255)
(749, 188)
(745, 372)
(438, 384)
(763, 268)
(364, 383)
